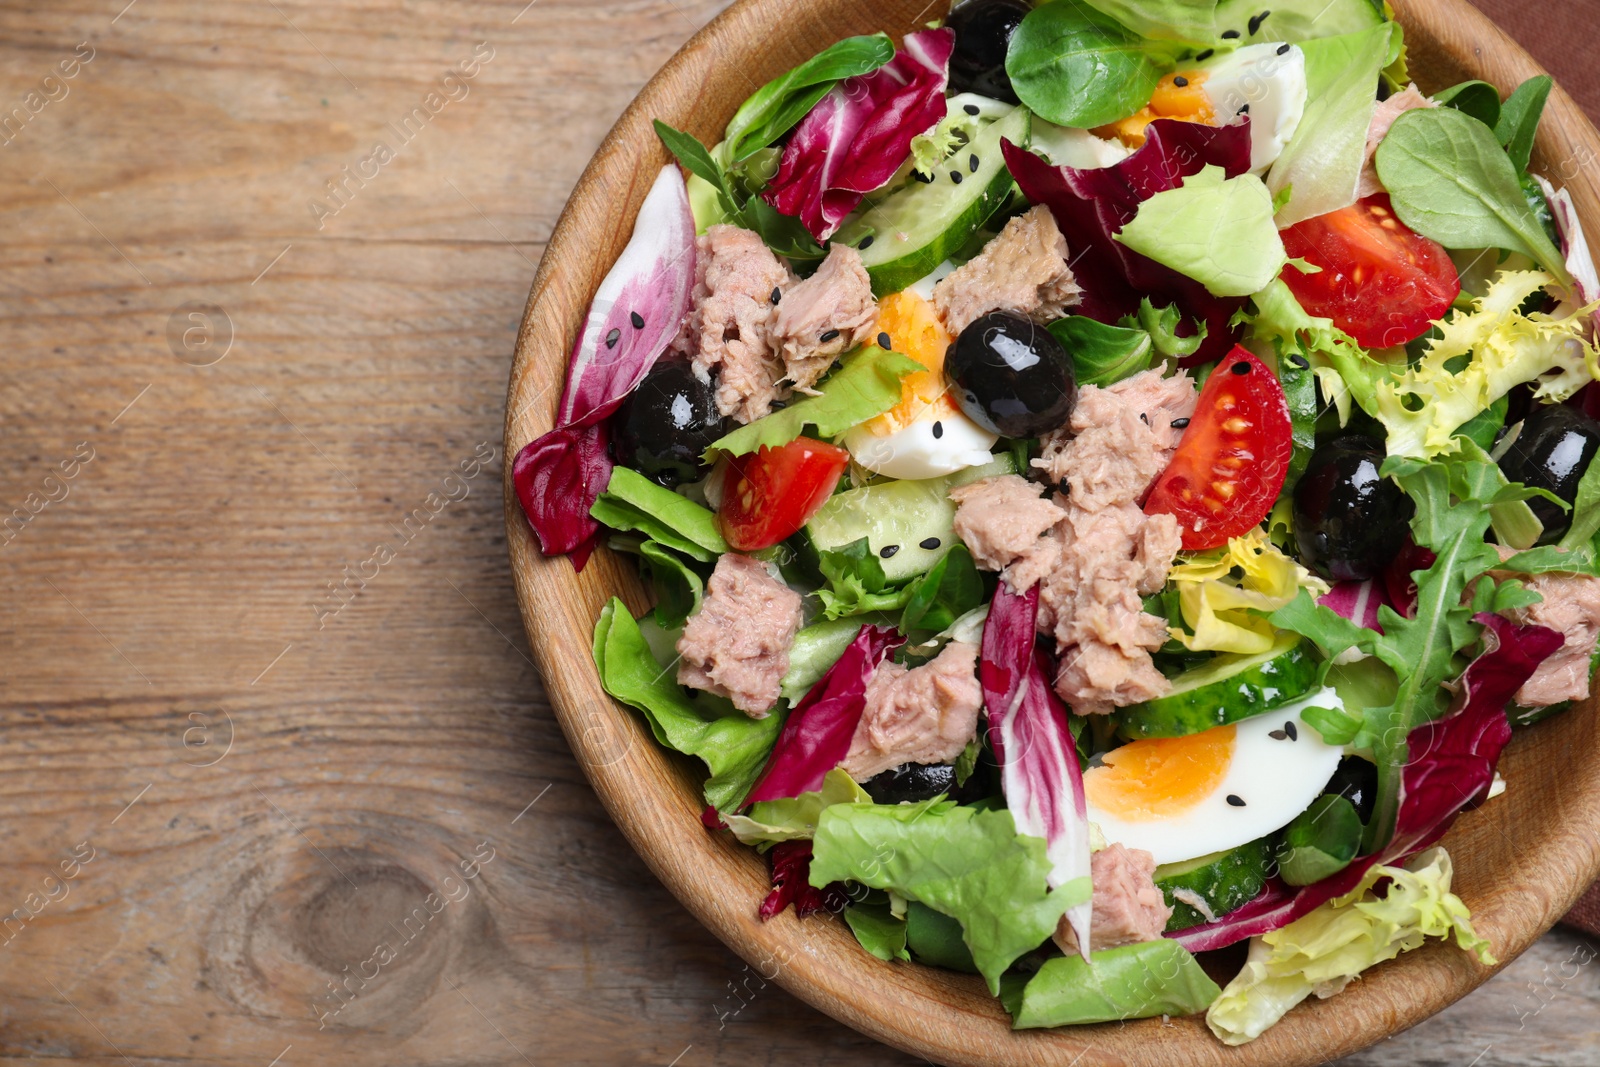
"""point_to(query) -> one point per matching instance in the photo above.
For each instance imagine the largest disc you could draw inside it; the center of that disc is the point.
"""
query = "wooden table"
(279, 783)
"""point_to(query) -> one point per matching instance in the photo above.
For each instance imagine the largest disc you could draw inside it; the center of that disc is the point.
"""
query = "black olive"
(1551, 451)
(1011, 376)
(911, 782)
(1349, 520)
(983, 30)
(1357, 781)
(667, 422)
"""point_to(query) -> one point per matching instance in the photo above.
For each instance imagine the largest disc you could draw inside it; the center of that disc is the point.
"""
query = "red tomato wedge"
(769, 494)
(1380, 282)
(1231, 462)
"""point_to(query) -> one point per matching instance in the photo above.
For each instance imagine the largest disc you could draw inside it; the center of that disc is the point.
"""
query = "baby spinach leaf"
(784, 101)
(951, 589)
(1476, 98)
(1103, 354)
(1518, 119)
(1449, 180)
(678, 588)
(1074, 66)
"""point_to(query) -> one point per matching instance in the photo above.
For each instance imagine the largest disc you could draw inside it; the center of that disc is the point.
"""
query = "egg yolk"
(1170, 100)
(1161, 776)
(914, 330)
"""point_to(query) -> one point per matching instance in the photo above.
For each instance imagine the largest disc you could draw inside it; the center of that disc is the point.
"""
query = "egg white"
(940, 442)
(1276, 778)
(1271, 83)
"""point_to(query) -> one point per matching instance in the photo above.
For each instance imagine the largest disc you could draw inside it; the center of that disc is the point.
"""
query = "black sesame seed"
(1240, 367)
(779, 405)
(1255, 22)
(1235, 800)
(637, 320)
(1243, 110)
(955, 176)
(971, 109)
(938, 429)
(777, 294)
(1180, 424)
(972, 163)
(925, 179)
(1144, 418)
(612, 338)
(1203, 56)
(1289, 728)
(866, 242)
(831, 335)
(888, 550)
(1283, 49)
(1065, 488)
(1277, 735)
(885, 342)
(929, 543)
(1230, 35)
(1181, 82)
(1300, 361)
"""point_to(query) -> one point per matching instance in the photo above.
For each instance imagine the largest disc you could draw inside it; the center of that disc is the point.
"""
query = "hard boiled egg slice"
(1269, 79)
(1180, 798)
(925, 435)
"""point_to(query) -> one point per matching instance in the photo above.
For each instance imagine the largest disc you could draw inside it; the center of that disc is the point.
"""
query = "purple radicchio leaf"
(1091, 206)
(1451, 768)
(1357, 601)
(859, 135)
(791, 884)
(1033, 744)
(636, 313)
(816, 736)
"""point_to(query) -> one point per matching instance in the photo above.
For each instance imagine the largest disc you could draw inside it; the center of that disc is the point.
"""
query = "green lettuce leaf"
(1323, 951)
(970, 865)
(733, 747)
(855, 582)
(867, 384)
(1216, 230)
(938, 598)
(633, 502)
(878, 929)
(1162, 326)
(1202, 22)
(771, 821)
(677, 586)
(817, 646)
(1136, 981)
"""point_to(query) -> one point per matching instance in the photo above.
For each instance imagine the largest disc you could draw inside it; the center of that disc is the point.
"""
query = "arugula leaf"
(734, 747)
(1450, 180)
(678, 588)
(1077, 67)
(775, 107)
(633, 502)
(856, 582)
(1518, 119)
(867, 384)
(938, 598)
(1214, 229)
(1476, 98)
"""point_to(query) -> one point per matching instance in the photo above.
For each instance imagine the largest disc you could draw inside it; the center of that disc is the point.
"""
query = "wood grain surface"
(280, 784)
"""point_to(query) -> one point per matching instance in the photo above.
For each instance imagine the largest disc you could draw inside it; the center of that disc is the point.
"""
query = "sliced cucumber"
(1224, 689)
(902, 517)
(1221, 881)
(916, 228)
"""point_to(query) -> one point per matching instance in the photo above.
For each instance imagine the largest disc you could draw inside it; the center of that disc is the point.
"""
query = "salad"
(1112, 476)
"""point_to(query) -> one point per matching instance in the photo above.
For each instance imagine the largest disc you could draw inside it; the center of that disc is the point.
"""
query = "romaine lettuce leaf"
(1214, 229)
(1136, 981)
(971, 865)
(1322, 952)
(678, 587)
(633, 502)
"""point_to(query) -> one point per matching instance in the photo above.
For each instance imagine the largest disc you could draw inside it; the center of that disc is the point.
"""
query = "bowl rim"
(651, 793)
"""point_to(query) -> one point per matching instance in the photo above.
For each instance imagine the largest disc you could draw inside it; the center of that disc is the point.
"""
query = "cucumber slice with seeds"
(1218, 883)
(1225, 689)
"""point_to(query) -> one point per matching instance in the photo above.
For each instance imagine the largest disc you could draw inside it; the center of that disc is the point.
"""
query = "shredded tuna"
(737, 644)
(1024, 270)
(1407, 99)
(1126, 907)
(1001, 521)
(823, 316)
(730, 326)
(1571, 607)
(926, 714)
(1119, 438)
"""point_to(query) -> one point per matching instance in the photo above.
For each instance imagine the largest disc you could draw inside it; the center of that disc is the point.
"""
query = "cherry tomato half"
(769, 494)
(1380, 282)
(1231, 462)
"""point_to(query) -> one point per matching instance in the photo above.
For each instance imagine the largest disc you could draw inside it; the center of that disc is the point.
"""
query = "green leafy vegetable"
(1476, 98)
(856, 582)
(817, 646)
(1518, 119)
(1103, 354)
(775, 107)
(876, 927)
(633, 502)
(1162, 326)
(1201, 23)
(1321, 841)
(1074, 66)
(967, 762)
(1214, 229)
(1450, 180)
(935, 938)
(677, 587)
(1342, 367)
(1323, 951)
(970, 865)
(1585, 513)
(771, 821)
(734, 747)
(867, 384)
(1136, 981)
(938, 598)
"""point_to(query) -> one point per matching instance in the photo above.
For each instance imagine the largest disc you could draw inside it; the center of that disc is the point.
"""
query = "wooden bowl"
(1521, 860)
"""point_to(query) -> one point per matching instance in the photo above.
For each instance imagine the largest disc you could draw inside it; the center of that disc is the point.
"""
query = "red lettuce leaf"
(636, 313)
(816, 736)
(1090, 206)
(791, 883)
(1451, 768)
(1033, 743)
(1398, 583)
(1357, 601)
(859, 135)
